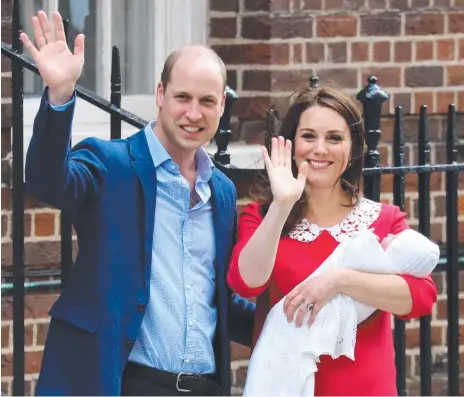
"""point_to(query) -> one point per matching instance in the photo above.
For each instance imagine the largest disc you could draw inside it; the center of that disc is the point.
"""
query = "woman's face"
(322, 139)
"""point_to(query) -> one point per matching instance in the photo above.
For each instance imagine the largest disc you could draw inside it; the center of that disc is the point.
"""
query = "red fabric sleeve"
(248, 222)
(423, 290)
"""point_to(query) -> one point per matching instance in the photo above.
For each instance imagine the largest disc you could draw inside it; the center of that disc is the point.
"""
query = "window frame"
(168, 14)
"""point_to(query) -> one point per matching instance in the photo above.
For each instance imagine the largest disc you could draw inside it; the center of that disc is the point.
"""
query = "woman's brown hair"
(350, 110)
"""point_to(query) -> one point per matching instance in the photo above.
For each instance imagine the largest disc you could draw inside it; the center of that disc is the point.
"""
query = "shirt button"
(187, 360)
(191, 323)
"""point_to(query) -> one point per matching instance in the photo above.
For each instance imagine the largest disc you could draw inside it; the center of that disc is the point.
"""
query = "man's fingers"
(38, 33)
(59, 27)
(46, 28)
(79, 46)
(30, 47)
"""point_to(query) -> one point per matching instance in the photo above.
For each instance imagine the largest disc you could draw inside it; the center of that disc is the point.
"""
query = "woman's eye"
(308, 136)
(335, 138)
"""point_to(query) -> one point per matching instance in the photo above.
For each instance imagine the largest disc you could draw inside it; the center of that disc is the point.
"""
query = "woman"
(311, 203)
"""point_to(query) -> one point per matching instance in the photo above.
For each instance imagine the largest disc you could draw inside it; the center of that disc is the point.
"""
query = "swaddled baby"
(285, 357)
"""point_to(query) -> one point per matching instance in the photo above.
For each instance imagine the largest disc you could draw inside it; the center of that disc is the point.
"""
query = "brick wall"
(269, 49)
(415, 48)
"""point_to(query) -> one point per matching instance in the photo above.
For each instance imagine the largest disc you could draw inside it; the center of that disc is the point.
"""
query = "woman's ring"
(309, 306)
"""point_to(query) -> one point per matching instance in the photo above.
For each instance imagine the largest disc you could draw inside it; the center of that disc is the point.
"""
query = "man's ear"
(223, 103)
(159, 95)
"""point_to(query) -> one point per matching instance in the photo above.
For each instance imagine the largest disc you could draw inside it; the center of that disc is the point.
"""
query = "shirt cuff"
(61, 108)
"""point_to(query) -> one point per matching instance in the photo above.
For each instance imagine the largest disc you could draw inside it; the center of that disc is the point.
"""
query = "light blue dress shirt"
(179, 325)
(178, 329)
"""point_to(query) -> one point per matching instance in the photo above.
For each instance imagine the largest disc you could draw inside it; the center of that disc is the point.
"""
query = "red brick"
(461, 49)
(360, 51)
(337, 52)
(413, 337)
(424, 50)
(456, 22)
(257, 5)
(33, 362)
(424, 24)
(239, 352)
(336, 26)
(5, 336)
(7, 114)
(403, 100)
(442, 309)
(419, 3)
(423, 98)
(221, 5)
(291, 27)
(251, 108)
(44, 224)
(5, 231)
(280, 5)
(289, 80)
(253, 54)
(424, 76)
(42, 330)
(403, 51)
(223, 28)
(27, 224)
(297, 53)
(346, 78)
(256, 80)
(445, 50)
(381, 51)
(377, 4)
(387, 77)
(28, 334)
(311, 5)
(314, 52)
(382, 24)
(354, 5)
(443, 101)
(7, 365)
(460, 102)
(6, 87)
(257, 27)
(455, 75)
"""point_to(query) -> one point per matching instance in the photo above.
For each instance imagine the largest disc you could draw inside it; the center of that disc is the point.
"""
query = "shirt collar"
(160, 155)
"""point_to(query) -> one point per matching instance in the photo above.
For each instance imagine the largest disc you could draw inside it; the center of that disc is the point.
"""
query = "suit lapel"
(146, 173)
(218, 204)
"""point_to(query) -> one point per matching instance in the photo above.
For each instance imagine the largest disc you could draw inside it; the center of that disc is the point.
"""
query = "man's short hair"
(176, 54)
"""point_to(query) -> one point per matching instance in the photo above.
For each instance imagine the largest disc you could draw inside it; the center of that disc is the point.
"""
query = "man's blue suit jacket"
(109, 188)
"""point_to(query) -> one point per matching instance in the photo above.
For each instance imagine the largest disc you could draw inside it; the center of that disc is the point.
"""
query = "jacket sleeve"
(55, 174)
(423, 290)
(241, 319)
(249, 221)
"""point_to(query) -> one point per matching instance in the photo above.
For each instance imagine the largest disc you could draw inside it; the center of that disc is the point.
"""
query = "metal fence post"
(224, 133)
(372, 98)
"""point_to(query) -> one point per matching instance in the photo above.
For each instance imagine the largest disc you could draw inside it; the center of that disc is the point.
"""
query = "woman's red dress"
(373, 371)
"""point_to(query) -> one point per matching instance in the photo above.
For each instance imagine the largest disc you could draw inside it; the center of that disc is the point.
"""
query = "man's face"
(191, 104)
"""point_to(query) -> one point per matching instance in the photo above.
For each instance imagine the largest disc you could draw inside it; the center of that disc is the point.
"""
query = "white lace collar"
(360, 217)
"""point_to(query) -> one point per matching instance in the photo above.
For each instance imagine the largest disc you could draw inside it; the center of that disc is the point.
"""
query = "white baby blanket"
(285, 357)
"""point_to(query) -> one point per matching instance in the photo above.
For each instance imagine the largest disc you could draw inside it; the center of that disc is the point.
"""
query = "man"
(146, 309)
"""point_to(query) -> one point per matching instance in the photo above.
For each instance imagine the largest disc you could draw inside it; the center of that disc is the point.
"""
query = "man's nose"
(194, 112)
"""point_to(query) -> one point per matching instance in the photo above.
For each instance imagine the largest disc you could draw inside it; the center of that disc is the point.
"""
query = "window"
(145, 31)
